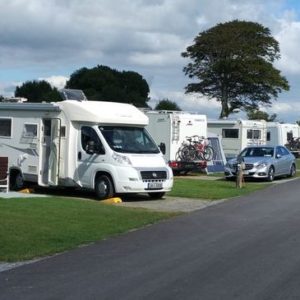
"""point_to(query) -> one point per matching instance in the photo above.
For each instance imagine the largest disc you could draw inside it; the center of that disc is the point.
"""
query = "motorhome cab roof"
(107, 112)
(87, 111)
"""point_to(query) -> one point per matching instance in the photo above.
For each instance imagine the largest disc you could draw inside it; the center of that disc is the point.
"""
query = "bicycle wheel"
(208, 153)
(188, 153)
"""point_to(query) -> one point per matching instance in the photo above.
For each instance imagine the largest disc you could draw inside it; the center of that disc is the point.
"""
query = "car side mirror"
(162, 147)
(278, 155)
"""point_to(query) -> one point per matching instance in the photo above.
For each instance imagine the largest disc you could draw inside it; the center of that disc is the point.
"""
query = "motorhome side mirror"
(162, 147)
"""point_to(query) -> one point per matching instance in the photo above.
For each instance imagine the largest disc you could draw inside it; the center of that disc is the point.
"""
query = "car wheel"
(271, 174)
(292, 171)
(104, 187)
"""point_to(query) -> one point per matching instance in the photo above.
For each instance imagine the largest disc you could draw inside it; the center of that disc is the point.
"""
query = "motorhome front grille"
(154, 175)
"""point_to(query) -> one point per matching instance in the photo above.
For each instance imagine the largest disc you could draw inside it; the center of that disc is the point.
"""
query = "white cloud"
(56, 81)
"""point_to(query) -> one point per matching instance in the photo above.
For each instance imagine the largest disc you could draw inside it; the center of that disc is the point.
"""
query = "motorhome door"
(49, 155)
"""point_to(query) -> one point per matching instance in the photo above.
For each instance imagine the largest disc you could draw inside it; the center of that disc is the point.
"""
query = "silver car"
(266, 162)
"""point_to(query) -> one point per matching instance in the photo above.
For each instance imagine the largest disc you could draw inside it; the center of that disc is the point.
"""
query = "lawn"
(211, 189)
(34, 227)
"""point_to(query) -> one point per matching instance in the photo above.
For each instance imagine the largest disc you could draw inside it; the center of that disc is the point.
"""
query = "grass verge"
(211, 189)
(34, 227)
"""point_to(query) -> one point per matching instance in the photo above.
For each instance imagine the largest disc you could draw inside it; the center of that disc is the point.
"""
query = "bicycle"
(203, 150)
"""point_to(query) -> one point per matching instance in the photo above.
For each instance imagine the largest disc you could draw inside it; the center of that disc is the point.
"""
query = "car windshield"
(128, 139)
(257, 152)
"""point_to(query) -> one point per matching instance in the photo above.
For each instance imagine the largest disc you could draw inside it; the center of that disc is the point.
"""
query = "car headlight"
(121, 159)
(262, 165)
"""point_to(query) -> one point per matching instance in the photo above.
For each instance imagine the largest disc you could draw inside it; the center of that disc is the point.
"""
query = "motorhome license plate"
(154, 185)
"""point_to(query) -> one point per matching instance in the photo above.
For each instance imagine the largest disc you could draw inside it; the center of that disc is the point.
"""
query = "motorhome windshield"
(128, 139)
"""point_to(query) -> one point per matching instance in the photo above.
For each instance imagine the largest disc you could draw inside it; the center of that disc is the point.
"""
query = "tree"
(105, 84)
(233, 62)
(167, 104)
(256, 114)
(38, 91)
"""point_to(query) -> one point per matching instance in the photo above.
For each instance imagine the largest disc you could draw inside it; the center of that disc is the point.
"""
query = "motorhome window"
(30, 130)
(253, 134)
(47, 127)
(88, 135)
(5, 127)
(63, 131)
(268, 136)
(129, 139)
(289, 136)
(230, 133)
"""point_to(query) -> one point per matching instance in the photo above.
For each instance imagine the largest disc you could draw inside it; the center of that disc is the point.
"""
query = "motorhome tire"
(157, 195)
(104, 187)
(17, 181)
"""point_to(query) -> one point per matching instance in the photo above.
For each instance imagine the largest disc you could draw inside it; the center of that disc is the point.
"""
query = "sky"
(50, 39)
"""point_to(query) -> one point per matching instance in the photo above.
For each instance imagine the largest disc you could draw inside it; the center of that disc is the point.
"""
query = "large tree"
(256, 114)
(106, 84)
(166, 104)
(233, 63)
(38, 91)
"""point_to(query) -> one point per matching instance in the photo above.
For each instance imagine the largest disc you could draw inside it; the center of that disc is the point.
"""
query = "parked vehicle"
(265, 162)
(86, 144)
(171, 130)
(285, 134)
(238, 134)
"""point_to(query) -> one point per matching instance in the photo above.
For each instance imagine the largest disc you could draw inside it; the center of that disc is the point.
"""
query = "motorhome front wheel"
(104, 187)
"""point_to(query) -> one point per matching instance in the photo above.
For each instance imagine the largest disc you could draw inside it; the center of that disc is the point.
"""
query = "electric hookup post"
(240, 166)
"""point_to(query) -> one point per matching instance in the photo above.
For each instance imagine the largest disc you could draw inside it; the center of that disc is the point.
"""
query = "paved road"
(246, 248)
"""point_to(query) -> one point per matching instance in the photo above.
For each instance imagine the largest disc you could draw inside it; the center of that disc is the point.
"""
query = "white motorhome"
(87, 144)
(170, 129)
(238, 134)
(281, 133)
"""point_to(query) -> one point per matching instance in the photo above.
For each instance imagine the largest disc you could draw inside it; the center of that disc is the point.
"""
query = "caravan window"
(289, 136)
(5, 127)
(30, 130)
(230, 133)
(253, 134)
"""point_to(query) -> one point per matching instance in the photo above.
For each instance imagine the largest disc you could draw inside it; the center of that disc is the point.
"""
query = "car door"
(280, 161)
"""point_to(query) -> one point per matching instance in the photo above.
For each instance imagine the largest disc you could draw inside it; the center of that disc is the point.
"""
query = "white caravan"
(238, 134)
(170, 129)
(281, 133)
(87, 144)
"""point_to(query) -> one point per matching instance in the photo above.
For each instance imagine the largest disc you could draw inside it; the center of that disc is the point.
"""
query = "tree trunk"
(225, 108)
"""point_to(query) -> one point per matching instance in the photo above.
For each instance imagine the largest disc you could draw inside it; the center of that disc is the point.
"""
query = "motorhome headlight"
(121, 159)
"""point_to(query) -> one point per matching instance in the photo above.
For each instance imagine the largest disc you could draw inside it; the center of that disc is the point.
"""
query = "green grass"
(34, 227)
(211, 189)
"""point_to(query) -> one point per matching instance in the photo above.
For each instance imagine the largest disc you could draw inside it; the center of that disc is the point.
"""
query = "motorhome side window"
(30, 130)
(289, 136)
(90, 141)
(253, 134)
(5, 127)
(230, 133)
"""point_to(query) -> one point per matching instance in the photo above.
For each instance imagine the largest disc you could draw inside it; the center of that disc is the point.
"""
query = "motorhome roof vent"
(72, 94)
(15, 99)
